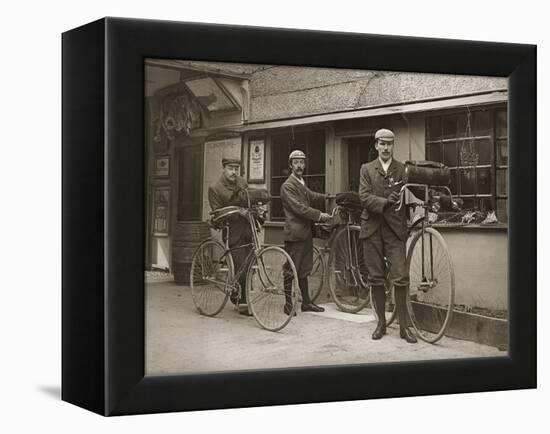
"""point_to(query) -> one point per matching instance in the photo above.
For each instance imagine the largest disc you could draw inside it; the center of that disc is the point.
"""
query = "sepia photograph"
(301, 216)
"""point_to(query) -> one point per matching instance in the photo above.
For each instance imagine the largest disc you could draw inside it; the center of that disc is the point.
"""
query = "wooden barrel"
(187, 237)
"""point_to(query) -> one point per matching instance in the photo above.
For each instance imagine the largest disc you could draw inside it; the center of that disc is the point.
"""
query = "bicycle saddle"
(221, 214)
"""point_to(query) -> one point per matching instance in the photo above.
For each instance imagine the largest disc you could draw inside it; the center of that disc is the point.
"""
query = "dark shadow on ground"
(52, 391)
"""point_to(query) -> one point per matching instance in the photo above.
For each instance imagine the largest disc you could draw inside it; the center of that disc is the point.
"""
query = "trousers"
(382, 249)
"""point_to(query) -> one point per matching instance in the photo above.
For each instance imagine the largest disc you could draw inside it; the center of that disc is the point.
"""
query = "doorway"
(360, 150)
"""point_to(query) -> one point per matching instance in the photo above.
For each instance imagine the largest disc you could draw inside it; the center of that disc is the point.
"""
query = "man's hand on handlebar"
(324, 217)
(393, 198)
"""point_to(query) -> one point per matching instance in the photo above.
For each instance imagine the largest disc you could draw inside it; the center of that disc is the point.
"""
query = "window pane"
(276, 208)
(462, 123)
(449, 154)
(502, 210)
(454, 182)
(280, 145)
(485, 204)
(502, 123)
(468, 154)
(502, 182)
(502, 152)
(276, 185)
(316, 183)
(467, 181)
(433, 126)
(210, 95)
(276, 164)
(433, 152)
(484, 150)
(481, 123)
(484, 181)
(449, 126)
(469, 203)
(316, 153)
(299, 142)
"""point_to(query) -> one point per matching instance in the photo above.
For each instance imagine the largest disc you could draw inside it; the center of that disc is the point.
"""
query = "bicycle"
(214, 280)
(431, 275)
(431, 291)
(345, 271)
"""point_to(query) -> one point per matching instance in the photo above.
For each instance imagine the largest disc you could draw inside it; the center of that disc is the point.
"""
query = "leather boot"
(307, 305)
(288, 297)
(379, 301)
(401, 306)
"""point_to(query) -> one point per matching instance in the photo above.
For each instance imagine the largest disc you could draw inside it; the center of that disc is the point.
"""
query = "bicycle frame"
(428, 282)
(250, 214)
(352, 267)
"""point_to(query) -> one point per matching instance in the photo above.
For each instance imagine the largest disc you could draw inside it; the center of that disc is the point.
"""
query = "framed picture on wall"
(161, 213)
(162, 166)
(468, 106)
(256, 161)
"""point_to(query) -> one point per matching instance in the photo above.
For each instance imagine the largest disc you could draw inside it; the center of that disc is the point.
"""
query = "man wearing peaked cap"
(385, 135)
(230, 189)
(230, 160)
(384, 232)
(300, 207)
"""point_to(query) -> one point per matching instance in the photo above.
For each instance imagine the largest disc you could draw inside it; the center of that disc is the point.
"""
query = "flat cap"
(384, 134)
(230, 160)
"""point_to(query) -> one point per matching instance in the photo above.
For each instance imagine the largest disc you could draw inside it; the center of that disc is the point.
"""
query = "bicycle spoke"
(431, 291)
(347, 286)
(210, 274)
(265, 288)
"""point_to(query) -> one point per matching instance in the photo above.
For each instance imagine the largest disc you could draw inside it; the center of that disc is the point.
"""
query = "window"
(313, 145)
(474, 145)
(211, 95)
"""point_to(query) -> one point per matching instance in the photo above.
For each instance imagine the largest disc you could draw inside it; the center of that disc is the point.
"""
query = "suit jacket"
(299, 204)
(224, 193)
(374, 188)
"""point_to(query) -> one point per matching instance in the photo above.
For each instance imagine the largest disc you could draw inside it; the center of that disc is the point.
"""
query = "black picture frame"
(104, 216)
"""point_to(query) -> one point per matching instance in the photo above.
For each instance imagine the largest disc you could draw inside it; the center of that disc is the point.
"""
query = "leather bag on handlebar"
(426, 172)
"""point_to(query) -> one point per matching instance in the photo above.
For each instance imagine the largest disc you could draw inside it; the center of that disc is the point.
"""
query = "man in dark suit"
(300, 207)
(230, 189)
(384, 232)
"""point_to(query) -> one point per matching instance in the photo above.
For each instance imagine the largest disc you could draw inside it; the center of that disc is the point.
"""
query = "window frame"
(291, 145)
(493, 197)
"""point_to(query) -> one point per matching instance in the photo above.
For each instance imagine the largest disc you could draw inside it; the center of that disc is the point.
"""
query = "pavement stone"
(179, 340)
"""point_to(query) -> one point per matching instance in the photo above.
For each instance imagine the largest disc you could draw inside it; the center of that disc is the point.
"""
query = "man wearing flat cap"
(384, 232)
(230, 189)
(300, 207)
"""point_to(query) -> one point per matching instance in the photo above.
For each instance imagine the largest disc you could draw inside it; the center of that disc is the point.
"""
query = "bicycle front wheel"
(432, 285)
(265, 291)
(212, 271)
(317, 276)
(347, 272)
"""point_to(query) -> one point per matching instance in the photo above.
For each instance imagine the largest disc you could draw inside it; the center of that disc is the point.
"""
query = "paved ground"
(179, 340)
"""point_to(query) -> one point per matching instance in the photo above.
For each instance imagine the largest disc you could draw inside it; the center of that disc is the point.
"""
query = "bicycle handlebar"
(427, 188)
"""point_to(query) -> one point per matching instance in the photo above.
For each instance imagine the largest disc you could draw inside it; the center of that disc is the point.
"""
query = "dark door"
(360, 150)
(190, 183)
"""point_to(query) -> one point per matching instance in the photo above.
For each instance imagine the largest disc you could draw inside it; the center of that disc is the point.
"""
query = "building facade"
(196, 112)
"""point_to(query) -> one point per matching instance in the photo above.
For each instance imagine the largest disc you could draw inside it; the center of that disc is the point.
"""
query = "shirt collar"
(300, 180)
(387, 165)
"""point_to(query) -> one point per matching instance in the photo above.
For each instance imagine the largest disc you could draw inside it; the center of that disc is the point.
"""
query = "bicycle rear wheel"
(317, 276)
(212, 271)
(265, 290)
(347, 272)
(432, 285)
